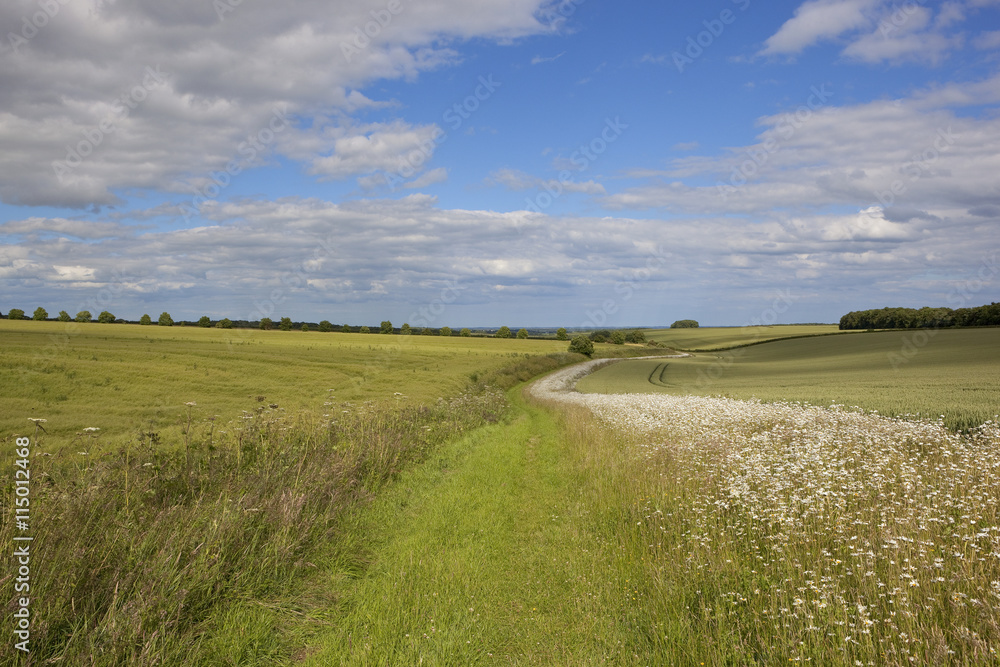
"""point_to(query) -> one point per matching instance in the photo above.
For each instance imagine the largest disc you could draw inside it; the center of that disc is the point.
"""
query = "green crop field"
(717, 338)
(951, 372)
(120, 377)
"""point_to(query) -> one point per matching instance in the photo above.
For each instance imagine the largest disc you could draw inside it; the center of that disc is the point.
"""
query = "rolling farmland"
(951, 372)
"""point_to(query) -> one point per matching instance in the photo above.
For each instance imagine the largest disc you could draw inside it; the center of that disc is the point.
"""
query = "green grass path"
(483, 556)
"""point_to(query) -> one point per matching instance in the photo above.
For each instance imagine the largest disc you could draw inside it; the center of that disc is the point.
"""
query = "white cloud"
(818, 20)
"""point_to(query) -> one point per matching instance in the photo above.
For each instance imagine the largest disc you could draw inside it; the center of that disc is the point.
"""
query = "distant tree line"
(921, 318)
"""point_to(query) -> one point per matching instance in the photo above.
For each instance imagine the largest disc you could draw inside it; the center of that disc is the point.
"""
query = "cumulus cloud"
(818, 20)
(83, 121)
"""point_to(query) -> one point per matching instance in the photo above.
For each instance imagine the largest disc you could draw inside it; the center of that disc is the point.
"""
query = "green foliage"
(635, 336)
(105, 317)
(326, 326)
(465, 333)
(445, 331)
(427, 331)
(913, 318)
(145, 320)
(618, 337)
(64, 316)
(684, 324)
(285, 324)
(364, 330)
(266, 323)
(561, 334)
(582, 345)
(84, 316)
(346, 328)
(40, 314)
(600, 336)
(165, 320)
(15, 314)
(224, 323)
(502, 332)
(205, 321)
(522, 333)
(405, 330)
(386, 327)
(305, 327)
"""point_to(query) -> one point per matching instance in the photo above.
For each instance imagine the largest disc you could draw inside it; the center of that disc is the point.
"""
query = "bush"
(205, 321)
(465, 333)
(522, 334)
(405, 330)
(325, 326)
(618, 337)
(346, 328)
(635, 336)
(582, 345)
(445, 331)
(502, 332)
(15, 314)
(305, 327)
(224, 323)
(265, 323)
(40, 314)
(106, 317)
(684, 324)
(561, 334)
(365, 330)
(165, 320)
(145, 320)
(84, 316)
(64, 316)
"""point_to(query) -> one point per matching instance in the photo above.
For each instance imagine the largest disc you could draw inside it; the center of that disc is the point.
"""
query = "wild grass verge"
(201, 552)
(759, 534)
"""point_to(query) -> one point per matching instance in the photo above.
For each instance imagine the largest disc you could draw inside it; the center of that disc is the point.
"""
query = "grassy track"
(954, 372)
(488, 556)
(718, 338)
(120, 377)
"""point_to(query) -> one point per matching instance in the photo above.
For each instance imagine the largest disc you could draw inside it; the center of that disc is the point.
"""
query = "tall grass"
(202, 553)
(762, 534)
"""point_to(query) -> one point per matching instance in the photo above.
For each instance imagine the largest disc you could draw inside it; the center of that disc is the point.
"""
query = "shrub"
(561, 334)
(365, 330)
(618, 337)
(224, 323)
(581, 345)
(684, 324)
(145, 320)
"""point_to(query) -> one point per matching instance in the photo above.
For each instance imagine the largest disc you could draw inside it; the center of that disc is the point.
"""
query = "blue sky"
(519, 162)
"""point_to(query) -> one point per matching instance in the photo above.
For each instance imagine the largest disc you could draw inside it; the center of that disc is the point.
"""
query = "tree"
(165, 320)
(145, 320)
(365, 330)
(635, 336)
(502, 332)
(305, 327)
(445, 331)
(84, 316)
(205, 321)
(427, 331)
(64, 316)
(600, 336)
(561, 334)
(465, 333)
(15, 314)
(325, 326)
(581, 345)
(522, 334)
(265, 323)
(224, 323)
(405, 329)
(285, 324)
(346, 328)
(684, 324)
(386, 327)
(40, 314)
(105, 317)
(618, 337)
